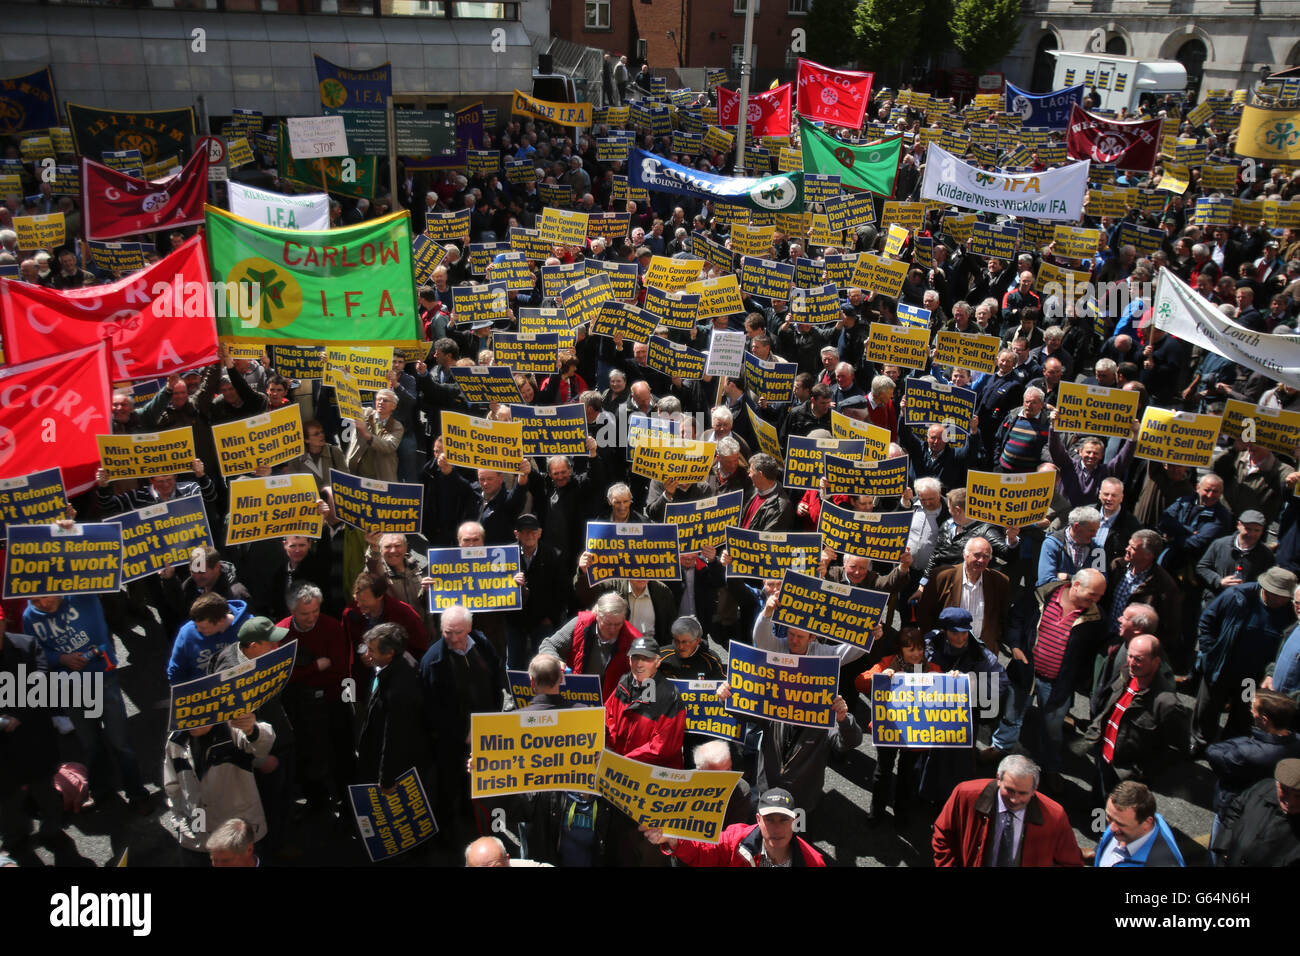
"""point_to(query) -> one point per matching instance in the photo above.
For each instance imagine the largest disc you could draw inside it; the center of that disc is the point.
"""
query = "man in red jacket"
(596, 642)
(1004, 822)
(644, 718)
(770, 841)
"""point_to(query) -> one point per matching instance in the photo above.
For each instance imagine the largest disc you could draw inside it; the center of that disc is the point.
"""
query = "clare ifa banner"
(118, 205)
(156, 322)
(780, 193)
(1051, 110)
(1055, 194)
(833, 97)
(308, 211)
(1182, 313)
(353, 284)
(561, 114)
(1128, 144)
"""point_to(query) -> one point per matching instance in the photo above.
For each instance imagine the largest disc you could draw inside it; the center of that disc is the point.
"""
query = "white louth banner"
(1054, 194)
(306, 211)
(1184, 314)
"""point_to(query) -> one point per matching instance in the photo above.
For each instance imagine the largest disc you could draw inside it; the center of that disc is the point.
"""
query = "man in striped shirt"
(1021, 443)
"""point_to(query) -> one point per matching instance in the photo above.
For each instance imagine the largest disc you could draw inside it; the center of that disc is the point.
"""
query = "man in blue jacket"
(1239, 634)
(213, 626)
(1135, 834)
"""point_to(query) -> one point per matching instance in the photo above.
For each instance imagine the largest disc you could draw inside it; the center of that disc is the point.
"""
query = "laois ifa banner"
(66, 395)
(781, 193)
(767, 113)
(1051, 110)
(157, 322)
(341, 285)
(1125, 145)
(834, 97)
(118, 205)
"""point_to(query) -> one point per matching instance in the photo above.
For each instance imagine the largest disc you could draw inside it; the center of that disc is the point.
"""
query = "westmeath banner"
(65, 395)
(833, 97)
(1056, 194)
(341, 285)
(871, 167)
(1132, 145)
(766, 114)
(781, 193)
(1051, 110)
(341, 88)
(118, 205)
(156, 322)
(1183, 313)
(1269, 134)
(27, 102)
(157, 134)
(308, 211)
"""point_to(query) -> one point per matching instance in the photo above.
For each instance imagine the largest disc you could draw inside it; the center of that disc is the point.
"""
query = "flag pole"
(746, 68)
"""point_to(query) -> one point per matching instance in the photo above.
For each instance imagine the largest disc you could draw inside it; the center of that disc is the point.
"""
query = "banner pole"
(746, 67)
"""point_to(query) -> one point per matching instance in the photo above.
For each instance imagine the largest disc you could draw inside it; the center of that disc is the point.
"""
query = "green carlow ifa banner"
(311, 287)
(872, 168)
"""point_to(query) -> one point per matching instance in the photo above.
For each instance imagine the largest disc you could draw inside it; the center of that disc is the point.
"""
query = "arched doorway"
(1193, 55)
(1117, 46)
(1044, 65)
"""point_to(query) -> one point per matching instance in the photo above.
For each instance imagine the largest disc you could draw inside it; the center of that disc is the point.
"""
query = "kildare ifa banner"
(308, 211)
(781, 193)
(1055, 194)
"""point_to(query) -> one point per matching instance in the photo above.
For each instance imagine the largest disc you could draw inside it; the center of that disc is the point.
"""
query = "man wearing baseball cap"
(769, 841)
(1262, 826)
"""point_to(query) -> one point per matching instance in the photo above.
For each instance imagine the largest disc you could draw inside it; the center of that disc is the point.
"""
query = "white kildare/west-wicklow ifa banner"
(1055, 194)
(307, 211)
(1184, 314)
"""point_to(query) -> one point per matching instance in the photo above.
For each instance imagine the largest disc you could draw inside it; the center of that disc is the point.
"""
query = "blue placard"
(46, 559)
(552, 430)
(831, 609)
(1051, 110)
(706, 714)
(372, 505)
(390, 824)
(162, 535)
(913, 317)
(623, 552)
(32, 499)
(879, 536)
(640, 422)
(580, 690)
(773, 381)
(705, 521)
(936, 403)
(484, 385)
(478, 579)
(786, 688)
(225, 695)
(921, 710)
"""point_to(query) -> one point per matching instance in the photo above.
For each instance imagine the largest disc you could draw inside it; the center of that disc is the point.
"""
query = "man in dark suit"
(393, 737)
(1135, 578)
(541, 579)
(1117, 522)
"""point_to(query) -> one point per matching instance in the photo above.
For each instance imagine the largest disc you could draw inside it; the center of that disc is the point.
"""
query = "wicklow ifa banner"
(871, 168)
(341, 88)
(834, 97)
(1056, 194)
(351, 285)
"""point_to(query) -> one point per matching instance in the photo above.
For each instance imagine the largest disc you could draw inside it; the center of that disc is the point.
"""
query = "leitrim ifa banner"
(118, 205)
(156, 322)
(834, 97)
(340, 285)
(1043, 109)
(1181, 312)
(27, 102)
(157, 134)
(307, 211)
(1131, 145)
(871, 167)
(1056, 194)
(782, 193)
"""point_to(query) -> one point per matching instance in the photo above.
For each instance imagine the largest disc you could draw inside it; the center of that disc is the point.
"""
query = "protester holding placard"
(770, 842)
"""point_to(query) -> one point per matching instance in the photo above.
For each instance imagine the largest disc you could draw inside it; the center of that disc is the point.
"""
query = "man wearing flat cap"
(1262, 826)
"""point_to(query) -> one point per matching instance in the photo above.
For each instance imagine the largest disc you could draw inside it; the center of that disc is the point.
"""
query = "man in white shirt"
(926, 519)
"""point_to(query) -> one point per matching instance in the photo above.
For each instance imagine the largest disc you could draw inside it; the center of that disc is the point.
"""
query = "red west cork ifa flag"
(834, 97)
(118, 205)
(50, 412)
(768, 113)
(1130, 145)
(157, 321)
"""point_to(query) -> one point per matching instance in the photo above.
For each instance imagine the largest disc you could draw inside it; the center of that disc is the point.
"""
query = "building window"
(798, 7)
(737, 55)
(596, 14)
(738, 6)
(791, 59)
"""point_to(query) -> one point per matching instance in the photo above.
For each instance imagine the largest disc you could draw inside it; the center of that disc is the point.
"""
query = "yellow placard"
(147, 455)
(1175, 180)
(562, 227)
(1273, 428)
(1009, 500)
(896, 237)
(272, 507)
(672, 274)
(663, 457)
(1095, 410)
(1069, 283)
(719, 295)
(529, 750)
(271, 438)
(480, 443)
(877, 439)
(910, 215)
(348, 396)
(765, 432)
(879, 275)
(368, 365)
(752, 240)
(684, 804)
(979, 353)
(895, 345)
(1178, 438)
(1075, 242)
(40, 232)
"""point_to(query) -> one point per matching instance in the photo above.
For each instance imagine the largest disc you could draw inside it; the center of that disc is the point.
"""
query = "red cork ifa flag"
(834, 97)
(767, 113)
(157, 321)
(50, 412)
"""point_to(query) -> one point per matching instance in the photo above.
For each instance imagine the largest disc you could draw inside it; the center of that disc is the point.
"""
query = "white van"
(1120, 81)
